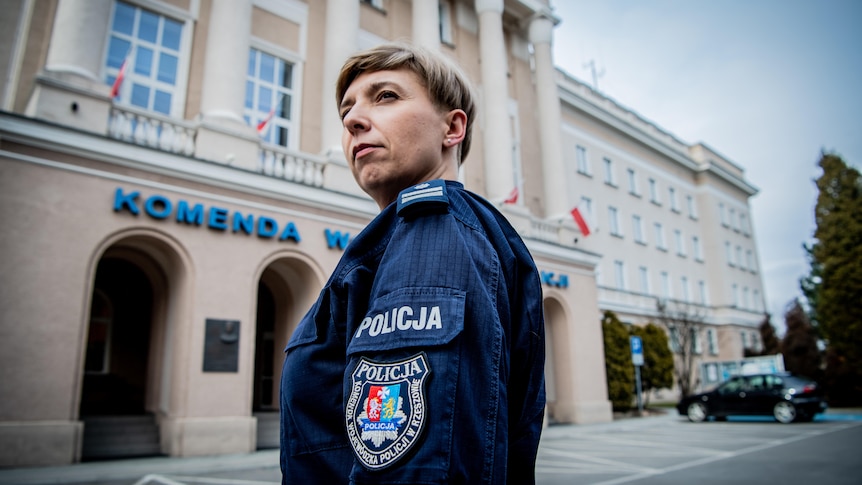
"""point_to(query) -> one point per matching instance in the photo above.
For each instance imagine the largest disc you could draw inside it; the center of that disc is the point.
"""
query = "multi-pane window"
(613, 221)
(609, 171)
(583, 165)
(620, 275)
(633, 182)
(659, 236)
(150, 46)
(269, 97)
(653, 192)
(638, 228)
(643, 272)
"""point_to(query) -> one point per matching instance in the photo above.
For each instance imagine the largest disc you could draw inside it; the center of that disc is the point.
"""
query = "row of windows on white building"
(750, 340)
(749, 299)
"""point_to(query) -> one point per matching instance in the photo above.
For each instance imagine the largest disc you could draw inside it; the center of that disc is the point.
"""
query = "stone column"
(555, 198)
(68, 91)
(226, 60)
(496, 129)
(223, 135)
(342, 38)
(426, 24)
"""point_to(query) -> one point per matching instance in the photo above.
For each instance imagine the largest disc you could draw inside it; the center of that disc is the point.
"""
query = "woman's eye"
(387, 95)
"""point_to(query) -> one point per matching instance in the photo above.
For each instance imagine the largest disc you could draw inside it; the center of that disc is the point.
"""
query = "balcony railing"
(178, 136)
(302, 168)
(152, 130)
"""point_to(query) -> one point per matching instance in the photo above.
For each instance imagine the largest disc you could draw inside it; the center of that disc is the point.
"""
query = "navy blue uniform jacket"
(422, 361)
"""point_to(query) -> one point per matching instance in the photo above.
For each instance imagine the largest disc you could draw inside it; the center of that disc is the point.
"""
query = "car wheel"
(784, 412)
(696, 412)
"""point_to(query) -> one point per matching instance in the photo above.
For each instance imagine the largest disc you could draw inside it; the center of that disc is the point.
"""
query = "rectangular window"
(680, 243)
(701, 289)
(269, 98)
(684, 283)
(692, 210)
(744, 335)
(734, 295)
(712, 340)
(696, 346)
(445, 10)
(633, 182)
(619, 275)
(653, 192)
(739, 261)
(745, 303)
(728, 253)
(613, 221)
(150, 46)
(659, 236)
(674, 340)
(755, 304)
(638, 228)
(733, 220)
(583, 165)
(643, 272)
(673, 202)
(665, 285)
(696, 248)
(721, 214)
(609, 171)
(743, 223)
(749, 260)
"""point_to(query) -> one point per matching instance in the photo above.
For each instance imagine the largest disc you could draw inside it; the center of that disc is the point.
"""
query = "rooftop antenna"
(596, 74)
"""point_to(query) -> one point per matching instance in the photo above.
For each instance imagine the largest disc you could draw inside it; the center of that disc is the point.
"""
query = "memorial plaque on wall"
(221, 346)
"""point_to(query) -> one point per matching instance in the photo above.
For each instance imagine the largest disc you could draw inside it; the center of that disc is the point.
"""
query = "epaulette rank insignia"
(423, 198)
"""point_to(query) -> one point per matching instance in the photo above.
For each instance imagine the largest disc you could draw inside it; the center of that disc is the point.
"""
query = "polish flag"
(115, 88)
(261, 127)
(512, 198)
(582, 219)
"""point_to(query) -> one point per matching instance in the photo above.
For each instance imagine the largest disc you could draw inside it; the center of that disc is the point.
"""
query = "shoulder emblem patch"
(386, 411)
(425, 197)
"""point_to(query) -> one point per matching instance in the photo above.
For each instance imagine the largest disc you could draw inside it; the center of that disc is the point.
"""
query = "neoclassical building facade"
(164, 233)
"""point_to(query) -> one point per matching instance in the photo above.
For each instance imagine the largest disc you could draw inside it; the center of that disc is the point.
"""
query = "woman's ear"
(456, 120)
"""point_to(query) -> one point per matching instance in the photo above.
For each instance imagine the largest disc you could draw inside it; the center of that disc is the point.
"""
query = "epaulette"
(427, 197)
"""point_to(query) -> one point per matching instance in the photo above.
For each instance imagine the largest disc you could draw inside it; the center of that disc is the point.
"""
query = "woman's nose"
(356, 119)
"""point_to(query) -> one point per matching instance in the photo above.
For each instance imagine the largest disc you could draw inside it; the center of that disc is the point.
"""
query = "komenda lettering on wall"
(160, 207)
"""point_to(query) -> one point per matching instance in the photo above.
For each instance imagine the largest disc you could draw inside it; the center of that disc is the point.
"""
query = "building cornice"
(40, 134)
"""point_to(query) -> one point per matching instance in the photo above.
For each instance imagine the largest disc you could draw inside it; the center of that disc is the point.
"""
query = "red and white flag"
(582, 219)
(512, 198)
(115, 88)
(261, 127)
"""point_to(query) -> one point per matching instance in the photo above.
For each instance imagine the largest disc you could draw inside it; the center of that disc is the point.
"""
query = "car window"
(755, 383)
(732, 386)
(773, 382)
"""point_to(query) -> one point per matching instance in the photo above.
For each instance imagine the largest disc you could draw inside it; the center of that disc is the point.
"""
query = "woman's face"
(394, 137)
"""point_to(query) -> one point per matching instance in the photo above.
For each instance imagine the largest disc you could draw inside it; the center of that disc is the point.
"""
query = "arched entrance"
(125, 384)
(558, 360)
(286, 290)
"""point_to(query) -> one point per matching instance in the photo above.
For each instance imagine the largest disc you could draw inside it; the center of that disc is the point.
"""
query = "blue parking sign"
(637, 350)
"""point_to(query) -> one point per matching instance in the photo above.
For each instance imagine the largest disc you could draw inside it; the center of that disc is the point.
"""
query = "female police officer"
(422, 360)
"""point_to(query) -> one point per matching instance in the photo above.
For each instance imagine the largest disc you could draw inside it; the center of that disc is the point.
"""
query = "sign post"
(638, 360)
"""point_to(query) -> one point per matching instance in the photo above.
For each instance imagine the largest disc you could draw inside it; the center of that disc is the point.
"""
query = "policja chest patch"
(386, 411)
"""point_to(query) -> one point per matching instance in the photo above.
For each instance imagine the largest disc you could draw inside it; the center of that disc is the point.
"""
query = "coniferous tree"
(834, 287)
(771, 344)
(799, 345)
(618, 362)
(657, 371)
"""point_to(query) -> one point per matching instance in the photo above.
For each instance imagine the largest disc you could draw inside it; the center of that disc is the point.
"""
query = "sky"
(768, 84)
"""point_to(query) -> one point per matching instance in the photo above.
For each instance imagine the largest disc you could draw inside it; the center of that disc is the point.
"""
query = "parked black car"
(785, 396)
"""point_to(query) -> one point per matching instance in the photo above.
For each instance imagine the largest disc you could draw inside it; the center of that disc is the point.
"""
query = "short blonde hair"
(447, 86)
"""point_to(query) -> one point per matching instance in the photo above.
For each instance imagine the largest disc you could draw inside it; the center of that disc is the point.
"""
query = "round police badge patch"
(386, 410)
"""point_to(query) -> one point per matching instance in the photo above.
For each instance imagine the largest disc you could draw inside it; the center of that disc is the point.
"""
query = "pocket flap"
(410, 317)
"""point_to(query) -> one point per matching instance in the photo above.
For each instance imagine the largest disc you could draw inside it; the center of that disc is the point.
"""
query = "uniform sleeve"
(424, 385)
